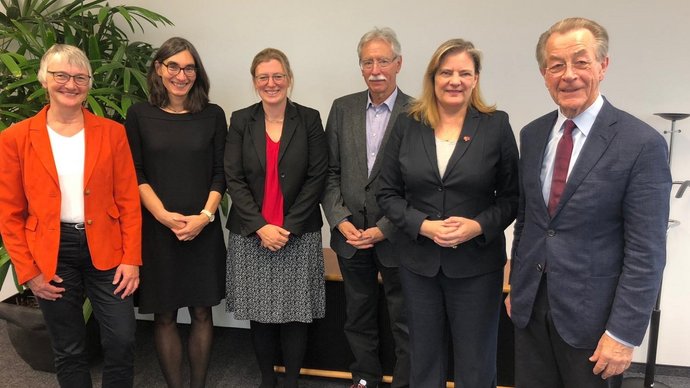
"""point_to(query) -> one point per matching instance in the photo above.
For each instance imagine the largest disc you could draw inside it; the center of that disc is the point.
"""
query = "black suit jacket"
(350, 190)
(480, 183)
(302, 165)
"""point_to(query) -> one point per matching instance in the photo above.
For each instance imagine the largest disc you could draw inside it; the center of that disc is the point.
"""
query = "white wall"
(649, 72)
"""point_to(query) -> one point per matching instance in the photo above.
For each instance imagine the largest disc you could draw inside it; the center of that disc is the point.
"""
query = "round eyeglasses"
(63, 78)
(174, 69)
(277, 78)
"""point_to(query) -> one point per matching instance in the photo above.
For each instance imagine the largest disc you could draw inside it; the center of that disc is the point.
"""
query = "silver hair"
(386, 34)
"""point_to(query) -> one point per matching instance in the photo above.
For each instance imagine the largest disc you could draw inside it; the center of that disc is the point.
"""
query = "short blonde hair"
(425, 108)
(73, 55)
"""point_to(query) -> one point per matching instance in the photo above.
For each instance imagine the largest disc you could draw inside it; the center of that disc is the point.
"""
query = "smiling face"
(380, 81)
(454, 81)
(67, 95)
(576, 87)
(270, 91)
(178, 85)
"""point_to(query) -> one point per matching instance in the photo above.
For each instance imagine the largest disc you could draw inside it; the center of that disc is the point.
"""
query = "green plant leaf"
(11, 64)
(21, 82)
(87, 309)
(94, 52)
(36, 94)
(126, 79)
(95, 106)
(103, 14)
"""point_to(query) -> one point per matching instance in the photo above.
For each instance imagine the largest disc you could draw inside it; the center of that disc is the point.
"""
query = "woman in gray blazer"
(449, 183)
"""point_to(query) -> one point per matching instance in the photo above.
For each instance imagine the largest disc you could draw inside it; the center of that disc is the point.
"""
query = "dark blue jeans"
(65, 320)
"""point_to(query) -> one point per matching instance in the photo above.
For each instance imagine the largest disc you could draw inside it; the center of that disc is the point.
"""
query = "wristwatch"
(208, 214)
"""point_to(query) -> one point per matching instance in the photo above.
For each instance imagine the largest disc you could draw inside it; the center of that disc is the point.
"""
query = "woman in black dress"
(177, 142)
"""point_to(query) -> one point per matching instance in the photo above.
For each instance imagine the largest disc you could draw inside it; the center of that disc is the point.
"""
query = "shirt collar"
(388, 102)
(584, 120)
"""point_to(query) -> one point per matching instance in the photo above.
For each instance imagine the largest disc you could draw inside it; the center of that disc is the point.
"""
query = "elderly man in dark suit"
(358, 127)
(590, 237)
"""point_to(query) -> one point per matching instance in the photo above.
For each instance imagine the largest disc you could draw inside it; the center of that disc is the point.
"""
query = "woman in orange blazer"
(70, 219)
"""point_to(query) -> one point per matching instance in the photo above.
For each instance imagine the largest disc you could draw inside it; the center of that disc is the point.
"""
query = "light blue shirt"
(377, 120)
(584, 122)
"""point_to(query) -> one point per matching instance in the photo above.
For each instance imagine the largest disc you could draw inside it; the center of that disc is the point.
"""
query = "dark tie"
(560, 165)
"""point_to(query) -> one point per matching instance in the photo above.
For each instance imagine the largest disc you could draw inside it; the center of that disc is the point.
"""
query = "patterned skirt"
(276, 287)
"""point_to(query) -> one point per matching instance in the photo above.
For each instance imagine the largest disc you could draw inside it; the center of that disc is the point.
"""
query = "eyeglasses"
(262, 79)
(174, 69)
(63, 78)
(560, 68)
(383, 63)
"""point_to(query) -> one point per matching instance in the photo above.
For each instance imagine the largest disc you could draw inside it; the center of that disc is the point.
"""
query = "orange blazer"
(30, 197)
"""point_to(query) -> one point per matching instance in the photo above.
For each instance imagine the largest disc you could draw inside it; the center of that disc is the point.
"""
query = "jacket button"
(87, 192)
(540, 267)
(550, 232)
(440, 188)
(282, 175)
(367, 189)
(89, 222)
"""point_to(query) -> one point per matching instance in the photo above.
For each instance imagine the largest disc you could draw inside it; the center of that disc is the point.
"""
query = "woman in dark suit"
(275, 166)
(449, 183)
(71, 220)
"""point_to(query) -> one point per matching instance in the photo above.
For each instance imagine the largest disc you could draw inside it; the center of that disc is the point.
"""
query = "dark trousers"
(544, 360)
(468, 309)
(360, 277)
(65, 319)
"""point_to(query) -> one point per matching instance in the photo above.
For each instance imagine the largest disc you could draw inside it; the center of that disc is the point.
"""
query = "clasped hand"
(273, 237)
(360, 238)
(186, 228)
(452, 231)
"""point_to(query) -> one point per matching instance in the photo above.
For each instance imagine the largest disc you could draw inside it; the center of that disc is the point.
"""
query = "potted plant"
(27, 29)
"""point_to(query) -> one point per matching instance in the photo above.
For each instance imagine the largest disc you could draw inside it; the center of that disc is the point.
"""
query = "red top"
(272, 208)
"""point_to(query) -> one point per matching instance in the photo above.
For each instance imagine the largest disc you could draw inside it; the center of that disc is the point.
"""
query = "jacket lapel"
(257, 129)
(358, 131)
(93, 136)
(399, 106)
(534, 178)
(469, 130)
(429, 144)
(289, 127)
(597, 142)
(38, 132)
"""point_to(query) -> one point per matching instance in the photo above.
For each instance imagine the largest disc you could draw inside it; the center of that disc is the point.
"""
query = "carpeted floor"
(232, 365)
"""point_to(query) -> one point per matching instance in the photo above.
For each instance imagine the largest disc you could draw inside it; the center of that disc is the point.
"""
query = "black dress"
(181, 157)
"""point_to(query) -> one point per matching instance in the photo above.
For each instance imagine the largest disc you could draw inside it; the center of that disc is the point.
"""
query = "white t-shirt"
(68, 153)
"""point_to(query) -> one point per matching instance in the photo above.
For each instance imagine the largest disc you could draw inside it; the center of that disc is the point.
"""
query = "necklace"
(280, 120)
(173, 110)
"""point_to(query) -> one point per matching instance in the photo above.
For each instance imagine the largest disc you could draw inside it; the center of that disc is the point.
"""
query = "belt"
(77, 226)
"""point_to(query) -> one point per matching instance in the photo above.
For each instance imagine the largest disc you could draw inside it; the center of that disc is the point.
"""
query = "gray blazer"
(350, 193)
(605, 247)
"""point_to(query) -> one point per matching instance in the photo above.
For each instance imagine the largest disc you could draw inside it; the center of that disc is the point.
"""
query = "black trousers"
(544, 360)
(65, 319)
(466, 308)
(360, 277)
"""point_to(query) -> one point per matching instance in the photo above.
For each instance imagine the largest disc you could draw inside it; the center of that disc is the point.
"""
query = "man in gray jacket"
(357, 130)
